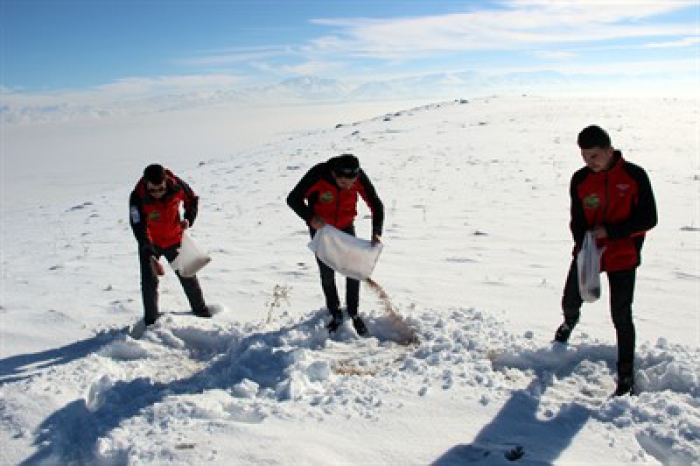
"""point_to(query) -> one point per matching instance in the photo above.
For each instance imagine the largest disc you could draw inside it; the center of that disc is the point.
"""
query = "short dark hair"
(154, 173)
(594, 136)
(346, 165)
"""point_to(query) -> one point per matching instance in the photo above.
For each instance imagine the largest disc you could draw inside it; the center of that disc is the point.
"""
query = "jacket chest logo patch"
(623, 188)
(327, 197)
(591, 202)
(154, 216)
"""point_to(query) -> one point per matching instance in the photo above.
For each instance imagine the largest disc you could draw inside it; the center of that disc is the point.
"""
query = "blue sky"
(111, 45)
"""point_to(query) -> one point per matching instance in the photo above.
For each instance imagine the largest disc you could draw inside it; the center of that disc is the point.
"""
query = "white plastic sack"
(190, 257)
(588, 262)
(346, 254)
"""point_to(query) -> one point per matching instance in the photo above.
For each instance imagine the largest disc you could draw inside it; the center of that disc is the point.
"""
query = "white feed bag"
(346, 254)
(588, 263)
(190, 257)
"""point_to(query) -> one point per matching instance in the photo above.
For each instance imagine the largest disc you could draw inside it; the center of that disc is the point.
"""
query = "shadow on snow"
(70, 435)
(509, 436)
(24, 366)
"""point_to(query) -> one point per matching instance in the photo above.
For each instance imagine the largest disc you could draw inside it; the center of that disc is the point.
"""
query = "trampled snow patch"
(290, 369)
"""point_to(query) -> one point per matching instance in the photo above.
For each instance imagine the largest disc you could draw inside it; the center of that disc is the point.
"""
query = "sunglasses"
(156, 189)
(348, 173)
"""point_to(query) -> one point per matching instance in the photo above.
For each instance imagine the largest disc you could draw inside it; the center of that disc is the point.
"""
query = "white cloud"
(589, 11)
(311, 68)
(520, 25)
(554, 55)
(685, 42)
(179, 83)
(641, 68)
(121, 91)
(236, 55)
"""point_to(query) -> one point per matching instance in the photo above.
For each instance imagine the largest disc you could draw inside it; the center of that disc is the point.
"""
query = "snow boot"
(563, 332)
(625, 386)
(625, 380)
(334, 324)
(360, 326)
(571, 317)
(150, 320)
(336, 321)
(204, 312)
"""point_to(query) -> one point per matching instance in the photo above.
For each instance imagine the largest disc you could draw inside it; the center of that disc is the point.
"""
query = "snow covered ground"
(476, 250)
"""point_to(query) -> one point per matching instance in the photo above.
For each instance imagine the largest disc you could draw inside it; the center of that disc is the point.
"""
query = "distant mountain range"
(446, 85)
(311, 89)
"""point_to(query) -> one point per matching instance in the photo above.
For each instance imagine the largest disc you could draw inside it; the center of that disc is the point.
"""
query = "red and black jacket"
(318, 194)
(157, 221)
(619, 199)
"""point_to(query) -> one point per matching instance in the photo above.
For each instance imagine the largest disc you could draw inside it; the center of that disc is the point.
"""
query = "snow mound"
(187, 370)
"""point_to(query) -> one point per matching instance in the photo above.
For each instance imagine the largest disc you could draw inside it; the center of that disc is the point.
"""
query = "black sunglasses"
(156, 189)
(348, 172)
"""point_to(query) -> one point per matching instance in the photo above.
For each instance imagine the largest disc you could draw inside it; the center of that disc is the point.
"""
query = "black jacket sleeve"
(137, 220)
(297, 197)
(643, 216)
(374, 203)
(191, 202)
(578, 224)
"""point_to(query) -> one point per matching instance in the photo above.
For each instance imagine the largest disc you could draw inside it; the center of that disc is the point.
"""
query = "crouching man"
(154, 207)
(328, 194)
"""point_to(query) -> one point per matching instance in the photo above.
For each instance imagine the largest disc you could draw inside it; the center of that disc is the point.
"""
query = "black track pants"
(149, 285)
(352, 287)
(621, 297)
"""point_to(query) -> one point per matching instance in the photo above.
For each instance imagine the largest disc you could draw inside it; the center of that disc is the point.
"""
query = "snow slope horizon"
(476, 248)
(42, 161)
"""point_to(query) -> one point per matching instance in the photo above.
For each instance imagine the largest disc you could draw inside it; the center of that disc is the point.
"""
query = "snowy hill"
(476, 249)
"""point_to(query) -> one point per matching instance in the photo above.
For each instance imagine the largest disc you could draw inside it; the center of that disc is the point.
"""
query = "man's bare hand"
(600, 232)
(317, 222)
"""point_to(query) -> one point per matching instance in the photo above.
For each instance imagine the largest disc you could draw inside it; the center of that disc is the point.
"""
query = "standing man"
(327, 194)
(613, 198)
(154, 207)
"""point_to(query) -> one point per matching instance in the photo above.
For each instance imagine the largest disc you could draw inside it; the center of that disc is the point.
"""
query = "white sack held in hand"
(190, 257)
(346, 254)
(588, 262)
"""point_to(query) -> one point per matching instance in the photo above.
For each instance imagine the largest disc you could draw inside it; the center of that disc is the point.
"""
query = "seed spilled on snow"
(407, 334)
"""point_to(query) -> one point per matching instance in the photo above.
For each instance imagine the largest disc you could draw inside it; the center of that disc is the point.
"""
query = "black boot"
(336, 321)
(625, 386)
(150, 320)
(563, 332)
(571, 317)
(203, 312)
(625, 380)
(360, 327)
